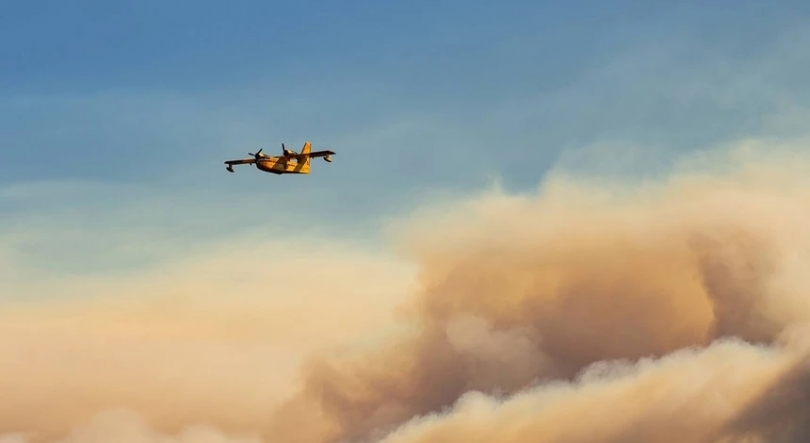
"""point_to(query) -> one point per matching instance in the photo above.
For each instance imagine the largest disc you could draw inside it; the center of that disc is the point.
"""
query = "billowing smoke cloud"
(594, 311)
(214, 341)
(520, 295)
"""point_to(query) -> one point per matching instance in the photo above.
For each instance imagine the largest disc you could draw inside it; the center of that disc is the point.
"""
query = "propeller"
(288, 152)
(258, 154)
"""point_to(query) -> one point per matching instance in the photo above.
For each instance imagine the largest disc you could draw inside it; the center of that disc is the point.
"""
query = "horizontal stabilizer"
(317, 154)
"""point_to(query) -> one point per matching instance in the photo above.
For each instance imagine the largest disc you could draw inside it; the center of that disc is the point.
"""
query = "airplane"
(290, 162)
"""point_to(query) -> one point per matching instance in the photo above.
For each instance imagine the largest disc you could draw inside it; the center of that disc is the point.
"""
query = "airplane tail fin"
(306, 150)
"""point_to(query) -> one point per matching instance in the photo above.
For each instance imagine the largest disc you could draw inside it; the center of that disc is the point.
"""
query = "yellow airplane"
(290, 162)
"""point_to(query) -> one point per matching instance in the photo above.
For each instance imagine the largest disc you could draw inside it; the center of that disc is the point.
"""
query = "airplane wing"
(244, 161)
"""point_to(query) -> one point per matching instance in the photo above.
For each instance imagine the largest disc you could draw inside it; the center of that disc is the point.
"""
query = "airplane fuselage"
(282, 165)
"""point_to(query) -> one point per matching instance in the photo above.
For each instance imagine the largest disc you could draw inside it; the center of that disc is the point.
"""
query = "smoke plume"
(690, 281)
(668, 310)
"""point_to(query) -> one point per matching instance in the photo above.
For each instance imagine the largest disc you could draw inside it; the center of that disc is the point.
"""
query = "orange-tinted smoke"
(594, 311)
(530, 291)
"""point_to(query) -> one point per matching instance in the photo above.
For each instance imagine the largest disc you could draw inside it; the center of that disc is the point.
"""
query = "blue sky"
(116, 116)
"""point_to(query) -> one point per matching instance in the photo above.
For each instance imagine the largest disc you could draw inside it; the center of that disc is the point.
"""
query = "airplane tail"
(306, 150)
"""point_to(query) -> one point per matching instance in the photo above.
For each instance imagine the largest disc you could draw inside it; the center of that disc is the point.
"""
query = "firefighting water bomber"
(290, 162)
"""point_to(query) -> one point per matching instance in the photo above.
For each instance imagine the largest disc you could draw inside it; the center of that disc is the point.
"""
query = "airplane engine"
(258, 154)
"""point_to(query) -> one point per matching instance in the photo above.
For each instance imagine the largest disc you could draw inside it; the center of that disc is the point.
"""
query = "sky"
(413, 94)
(136, 273)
